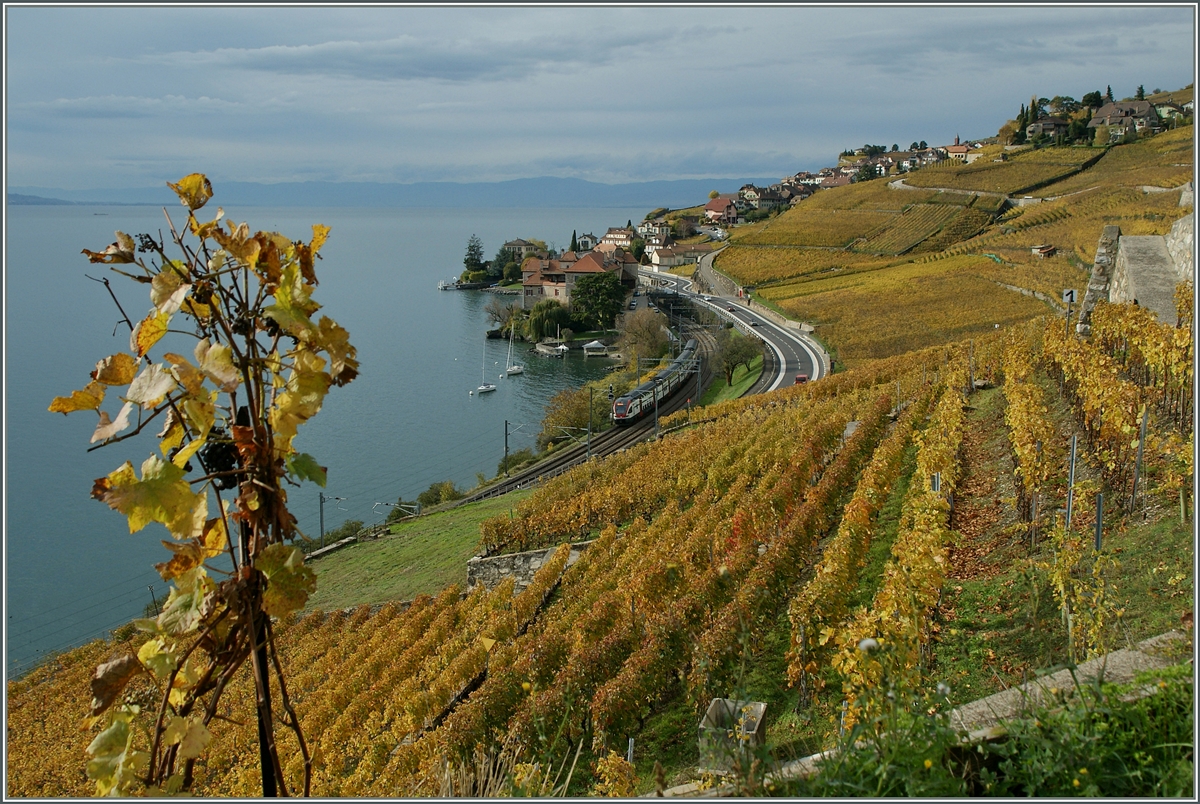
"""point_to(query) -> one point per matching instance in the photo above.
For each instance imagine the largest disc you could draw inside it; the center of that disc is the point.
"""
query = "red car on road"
(801, 379)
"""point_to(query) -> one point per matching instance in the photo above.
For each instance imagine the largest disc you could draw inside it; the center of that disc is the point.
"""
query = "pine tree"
(574, 241)
(1108, 96)
(1141, 92)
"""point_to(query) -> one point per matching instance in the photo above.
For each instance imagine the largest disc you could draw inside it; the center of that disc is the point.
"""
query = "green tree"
(866, 172)
(473, 261)
(1092, 100)
(1108, 96)
(439, 493)
(644, 333)
(495, 266)
(914, 146)
(712, 194)
(922, 145)
(1141, 93)
(512, 272)
(733, 350)
(895, 147)
(597, 298)
(574, 241)
(1064, 105)
(545, 319)
(637, 247)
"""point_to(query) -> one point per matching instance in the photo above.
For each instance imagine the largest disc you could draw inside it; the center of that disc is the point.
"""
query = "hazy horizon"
(488, 94)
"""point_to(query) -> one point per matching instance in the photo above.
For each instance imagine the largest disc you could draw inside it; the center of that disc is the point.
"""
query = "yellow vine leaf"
(117, 369)
(158, 658)
(187, 374)
(88, 399)
(108, 428)
(110, 678)
(161, 495)
(171, 435)
(181, 613)
(194, 552)
(200, 412)
(320, 235)
(293, 304)
(193, 190)
(168, 289)
(289, 581)
(148, 331)
(114, 764)
(217, 362)
(301, 401)
(203, 230)
(181, 458)
(343, 365)
(238, 243)
(151, 386)
(119, 253)
(195, 740)
(175, 730)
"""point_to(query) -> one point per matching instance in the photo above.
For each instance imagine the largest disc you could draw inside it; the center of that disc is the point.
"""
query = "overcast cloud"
(121, 97)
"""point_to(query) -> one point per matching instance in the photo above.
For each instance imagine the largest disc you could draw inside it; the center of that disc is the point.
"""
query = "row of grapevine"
(606, 651)
(640, 481)
(898, 616)
(918, 223)
(805, 226)
(1155, 356)
(1109, 405)
(819, 609)
(1029, 429)
(771, 582)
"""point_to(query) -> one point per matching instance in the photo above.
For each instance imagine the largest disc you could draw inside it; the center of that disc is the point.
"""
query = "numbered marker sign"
(1069, 296)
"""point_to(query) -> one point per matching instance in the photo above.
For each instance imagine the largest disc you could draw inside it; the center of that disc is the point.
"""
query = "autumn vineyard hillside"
(914, 498)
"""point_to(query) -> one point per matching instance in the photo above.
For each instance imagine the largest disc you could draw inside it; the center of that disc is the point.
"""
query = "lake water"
(72, 569)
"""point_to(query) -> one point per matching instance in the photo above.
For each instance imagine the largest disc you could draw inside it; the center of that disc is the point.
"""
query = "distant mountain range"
(522, 193)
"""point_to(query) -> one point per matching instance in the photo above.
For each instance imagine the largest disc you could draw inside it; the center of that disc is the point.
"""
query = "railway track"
(606, 443)
(612, 440)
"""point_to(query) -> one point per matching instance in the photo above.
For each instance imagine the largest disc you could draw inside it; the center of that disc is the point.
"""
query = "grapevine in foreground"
(227, 418)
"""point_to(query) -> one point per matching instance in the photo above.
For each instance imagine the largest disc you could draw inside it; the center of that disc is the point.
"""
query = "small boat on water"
(513, 368)
(485, 386)
(448, 284)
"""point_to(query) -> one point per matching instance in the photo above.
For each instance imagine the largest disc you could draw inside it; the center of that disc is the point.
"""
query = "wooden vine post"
(252, 365)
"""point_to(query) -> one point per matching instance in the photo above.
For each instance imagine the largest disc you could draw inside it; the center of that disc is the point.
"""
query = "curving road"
(794, 352)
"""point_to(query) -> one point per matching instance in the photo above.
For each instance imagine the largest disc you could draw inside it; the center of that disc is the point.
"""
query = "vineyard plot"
(915, 225)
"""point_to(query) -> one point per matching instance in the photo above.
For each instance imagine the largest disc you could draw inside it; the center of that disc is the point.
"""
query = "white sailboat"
(485, 386)
(513, 368)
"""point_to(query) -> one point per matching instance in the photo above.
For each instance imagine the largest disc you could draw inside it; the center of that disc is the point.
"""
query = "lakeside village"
(563, 293)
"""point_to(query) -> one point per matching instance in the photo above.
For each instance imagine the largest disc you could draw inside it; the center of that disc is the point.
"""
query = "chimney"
(956, 139)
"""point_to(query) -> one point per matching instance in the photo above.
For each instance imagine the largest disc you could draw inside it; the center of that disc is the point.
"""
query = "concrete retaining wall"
(1149, 267)
(521, 566)
(1180, 241)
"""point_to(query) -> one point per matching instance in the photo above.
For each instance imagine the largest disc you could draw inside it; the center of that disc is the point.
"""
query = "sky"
(125, 96)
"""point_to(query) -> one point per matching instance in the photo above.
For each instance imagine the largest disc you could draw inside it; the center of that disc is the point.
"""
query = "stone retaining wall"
(522, 567)
(1102, 268)
(1180, 241)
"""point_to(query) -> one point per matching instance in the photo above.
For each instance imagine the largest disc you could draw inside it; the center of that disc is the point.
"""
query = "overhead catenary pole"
(506, 447)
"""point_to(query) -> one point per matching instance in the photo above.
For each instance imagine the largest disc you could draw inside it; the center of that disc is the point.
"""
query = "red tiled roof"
(590, 263)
